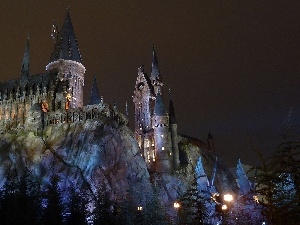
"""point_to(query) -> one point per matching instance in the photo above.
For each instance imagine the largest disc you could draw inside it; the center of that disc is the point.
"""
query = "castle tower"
(210, 142)
(160, 121)
(66, 62)
(174, 135)
(94, 96)
(143, 100)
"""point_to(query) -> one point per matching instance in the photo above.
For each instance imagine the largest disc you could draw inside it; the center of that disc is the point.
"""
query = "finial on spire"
(170, 93)
(54, 31)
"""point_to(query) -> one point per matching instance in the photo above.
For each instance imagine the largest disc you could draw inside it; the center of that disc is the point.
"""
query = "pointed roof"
(209, 136)
(25, 63)
(172, 117)
(155, 67)
(159, 109)
(95, 96)
(66, 46)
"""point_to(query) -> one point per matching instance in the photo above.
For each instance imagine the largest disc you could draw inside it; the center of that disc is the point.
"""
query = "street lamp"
(228, 197)
(176, 205)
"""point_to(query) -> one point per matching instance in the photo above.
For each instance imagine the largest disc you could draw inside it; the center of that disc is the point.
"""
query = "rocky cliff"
(95, 153)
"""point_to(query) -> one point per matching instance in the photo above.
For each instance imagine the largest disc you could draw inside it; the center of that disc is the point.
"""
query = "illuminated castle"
(35, 101)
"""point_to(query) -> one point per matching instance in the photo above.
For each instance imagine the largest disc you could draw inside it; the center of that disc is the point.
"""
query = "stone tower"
(66, 62)
(174, 135)
(163, 149)
(156, 136)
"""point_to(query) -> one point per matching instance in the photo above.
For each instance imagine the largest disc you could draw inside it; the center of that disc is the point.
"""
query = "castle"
(34, 102)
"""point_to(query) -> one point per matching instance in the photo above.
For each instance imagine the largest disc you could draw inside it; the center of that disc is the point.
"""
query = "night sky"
(233, 66)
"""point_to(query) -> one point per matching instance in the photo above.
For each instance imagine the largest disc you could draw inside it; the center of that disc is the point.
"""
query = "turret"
(143, 103)
(160, 122)
(156, 78)
(66, 62)
(25, 71)
(210, 142)
(94, 96)
(174, 135)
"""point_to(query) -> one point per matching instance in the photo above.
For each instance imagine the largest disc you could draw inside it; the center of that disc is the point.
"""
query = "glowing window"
(162, 148)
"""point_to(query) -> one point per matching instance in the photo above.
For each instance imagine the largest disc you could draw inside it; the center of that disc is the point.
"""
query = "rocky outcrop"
(94, 153)
(98, 153)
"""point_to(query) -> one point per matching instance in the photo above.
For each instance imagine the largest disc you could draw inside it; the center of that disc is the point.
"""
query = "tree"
(77, 208)
(192, 210)
(19, 200)
(52, 205)
(154, 212)
(277, 182)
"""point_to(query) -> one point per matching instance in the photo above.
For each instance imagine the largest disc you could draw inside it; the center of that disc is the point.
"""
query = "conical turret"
(94, 96)
(66, 46)
(172, 117)
(210, 142)
(155, 74)
(25, 71)
(66, 64)
(155, 77)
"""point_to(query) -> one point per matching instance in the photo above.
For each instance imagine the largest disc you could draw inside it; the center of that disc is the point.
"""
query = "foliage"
(277, 183)
(192, 210)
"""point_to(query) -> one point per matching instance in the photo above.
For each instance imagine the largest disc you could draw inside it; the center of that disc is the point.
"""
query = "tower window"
(162, 148)
(162, 135)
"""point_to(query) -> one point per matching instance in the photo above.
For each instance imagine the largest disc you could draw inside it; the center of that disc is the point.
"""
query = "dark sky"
(233, 66)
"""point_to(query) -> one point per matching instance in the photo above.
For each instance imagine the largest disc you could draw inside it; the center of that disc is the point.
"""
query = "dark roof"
(209, 136)
(172, 117)
(94, 96)
(65, 46)
(155, 67)
(159, 109)
(25, 63)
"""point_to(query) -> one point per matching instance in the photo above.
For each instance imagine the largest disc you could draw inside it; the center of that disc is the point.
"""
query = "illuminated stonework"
(158, 141)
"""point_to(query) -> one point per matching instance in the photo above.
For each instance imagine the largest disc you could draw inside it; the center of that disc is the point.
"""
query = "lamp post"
(140, 217)
(176, 205)
(227, 198)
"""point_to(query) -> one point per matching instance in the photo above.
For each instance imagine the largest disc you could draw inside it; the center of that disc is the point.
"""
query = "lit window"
(162, 148)
(162, 135)
(170, 153)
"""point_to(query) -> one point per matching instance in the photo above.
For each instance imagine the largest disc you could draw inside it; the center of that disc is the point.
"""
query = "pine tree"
(52, 211)
(77, 211)
(192, 210)
(154, 212)
(104, 212)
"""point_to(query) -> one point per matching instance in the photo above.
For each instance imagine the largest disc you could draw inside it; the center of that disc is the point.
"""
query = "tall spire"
(25, 64)
(155, 74)
(172, 117)
(66, 44)
(94, 97)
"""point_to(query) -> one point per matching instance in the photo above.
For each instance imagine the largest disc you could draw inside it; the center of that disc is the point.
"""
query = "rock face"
(95, 153)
